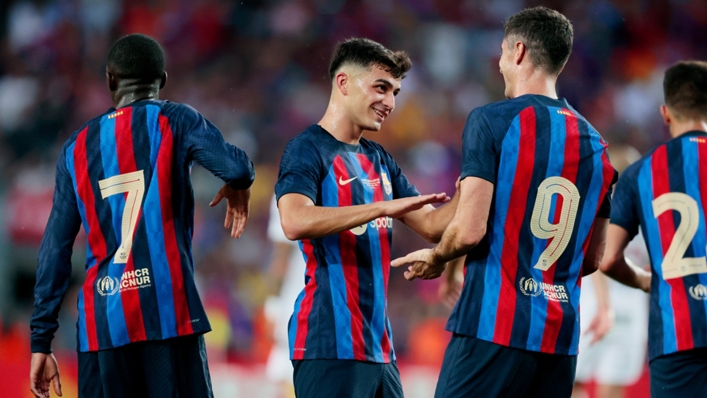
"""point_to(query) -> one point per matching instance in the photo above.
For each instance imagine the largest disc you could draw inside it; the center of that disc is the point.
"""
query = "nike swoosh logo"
(344, 182)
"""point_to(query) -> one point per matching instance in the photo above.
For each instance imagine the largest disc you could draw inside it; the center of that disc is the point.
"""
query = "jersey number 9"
(540, 225)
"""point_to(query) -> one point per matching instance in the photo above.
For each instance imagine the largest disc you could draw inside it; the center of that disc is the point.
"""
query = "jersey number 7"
(675, 265)
(561, 232)
(134, 184)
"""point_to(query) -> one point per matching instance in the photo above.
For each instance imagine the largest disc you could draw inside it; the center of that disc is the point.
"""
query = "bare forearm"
(601, 287)
(624, 272)
(456, 242)
(311, 222)
(438, 219)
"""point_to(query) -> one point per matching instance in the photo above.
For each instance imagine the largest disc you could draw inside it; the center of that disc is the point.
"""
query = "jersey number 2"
(674, 264)
(134, 184)
(561, 232)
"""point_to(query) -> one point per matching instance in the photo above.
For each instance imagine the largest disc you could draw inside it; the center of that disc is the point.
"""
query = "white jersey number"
(674, 264)
(540, 226)
(134, 184)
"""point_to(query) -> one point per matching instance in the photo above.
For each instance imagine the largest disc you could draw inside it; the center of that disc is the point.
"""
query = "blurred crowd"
(258, 70)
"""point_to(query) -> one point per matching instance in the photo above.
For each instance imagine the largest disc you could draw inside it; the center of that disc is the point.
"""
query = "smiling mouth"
(380, 114)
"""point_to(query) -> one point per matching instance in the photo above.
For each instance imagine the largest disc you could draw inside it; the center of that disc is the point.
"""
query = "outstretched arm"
(430, 222)
(465, 231)
(617, 267)
(301, 219)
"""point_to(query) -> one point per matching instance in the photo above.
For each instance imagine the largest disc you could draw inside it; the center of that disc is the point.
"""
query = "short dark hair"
(546, 34)
(137, 56)
(685, 89)
(366, 53)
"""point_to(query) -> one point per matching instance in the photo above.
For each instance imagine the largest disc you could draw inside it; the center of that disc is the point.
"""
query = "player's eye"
(381, 88)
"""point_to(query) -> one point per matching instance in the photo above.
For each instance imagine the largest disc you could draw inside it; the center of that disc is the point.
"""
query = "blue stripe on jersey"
(655, 248)
(377, 319)
(586, 222)
(492, 276)
(90, 259)
(114, 303)
(555, 163)
(690, 158)
(337, 281)
(152, 214)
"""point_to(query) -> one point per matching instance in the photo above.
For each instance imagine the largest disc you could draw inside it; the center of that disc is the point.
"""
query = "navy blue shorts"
(682, 374)
(478, 368)
(169, 368)
(327, 378)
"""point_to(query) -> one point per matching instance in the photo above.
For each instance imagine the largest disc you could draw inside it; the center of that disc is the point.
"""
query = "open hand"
(237, 208)
(449, 292)
(43, 371)
(423, 265)
(600, 325)
(399, 207)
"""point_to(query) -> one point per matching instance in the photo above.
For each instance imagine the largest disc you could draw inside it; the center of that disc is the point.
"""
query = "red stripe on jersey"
(378, 196)
(553, 320)
(347, 248)
(95, 238)
(132, 310)
(505, 312)
(164, 168)
(666, 225)
(306, 305)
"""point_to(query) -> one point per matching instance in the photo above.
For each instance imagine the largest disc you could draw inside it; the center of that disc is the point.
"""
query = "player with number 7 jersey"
(125, 176)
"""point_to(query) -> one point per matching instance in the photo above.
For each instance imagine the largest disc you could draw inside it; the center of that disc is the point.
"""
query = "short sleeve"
(402, 188)
(300, 170)
(479, 153)
(623, 210)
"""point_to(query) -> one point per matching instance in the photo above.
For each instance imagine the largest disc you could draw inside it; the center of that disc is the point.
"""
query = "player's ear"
(163, 81)
(665, 113)
(111, 81)
(341, 80)
(520, 51)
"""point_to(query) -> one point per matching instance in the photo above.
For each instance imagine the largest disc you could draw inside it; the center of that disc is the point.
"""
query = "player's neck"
(537, 83)
(678, 128)
(125, 95)
(341, 127)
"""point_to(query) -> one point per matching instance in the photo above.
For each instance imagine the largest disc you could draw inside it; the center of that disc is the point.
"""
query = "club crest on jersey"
(698, 292)
(387, 186)
(108, 285)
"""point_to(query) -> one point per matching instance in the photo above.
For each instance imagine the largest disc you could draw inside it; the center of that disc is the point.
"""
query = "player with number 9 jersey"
(533, 209)
(552, 179)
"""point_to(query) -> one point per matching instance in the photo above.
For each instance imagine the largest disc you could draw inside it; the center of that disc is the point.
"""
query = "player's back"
(129, 169)
(667, 192)
(551, 176)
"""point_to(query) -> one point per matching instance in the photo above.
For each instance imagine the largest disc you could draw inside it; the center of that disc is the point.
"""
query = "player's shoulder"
(631, 172)
(305, 143)
(501, 113)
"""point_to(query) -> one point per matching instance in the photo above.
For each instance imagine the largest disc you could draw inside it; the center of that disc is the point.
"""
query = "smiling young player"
(338, 194)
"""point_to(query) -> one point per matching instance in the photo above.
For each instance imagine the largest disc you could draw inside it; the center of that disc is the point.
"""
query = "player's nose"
(389, 102)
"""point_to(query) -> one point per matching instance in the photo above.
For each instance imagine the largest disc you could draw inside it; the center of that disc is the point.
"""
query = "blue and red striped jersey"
(665, 192)
(124, 176)
(342, 311)
(551, 178)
